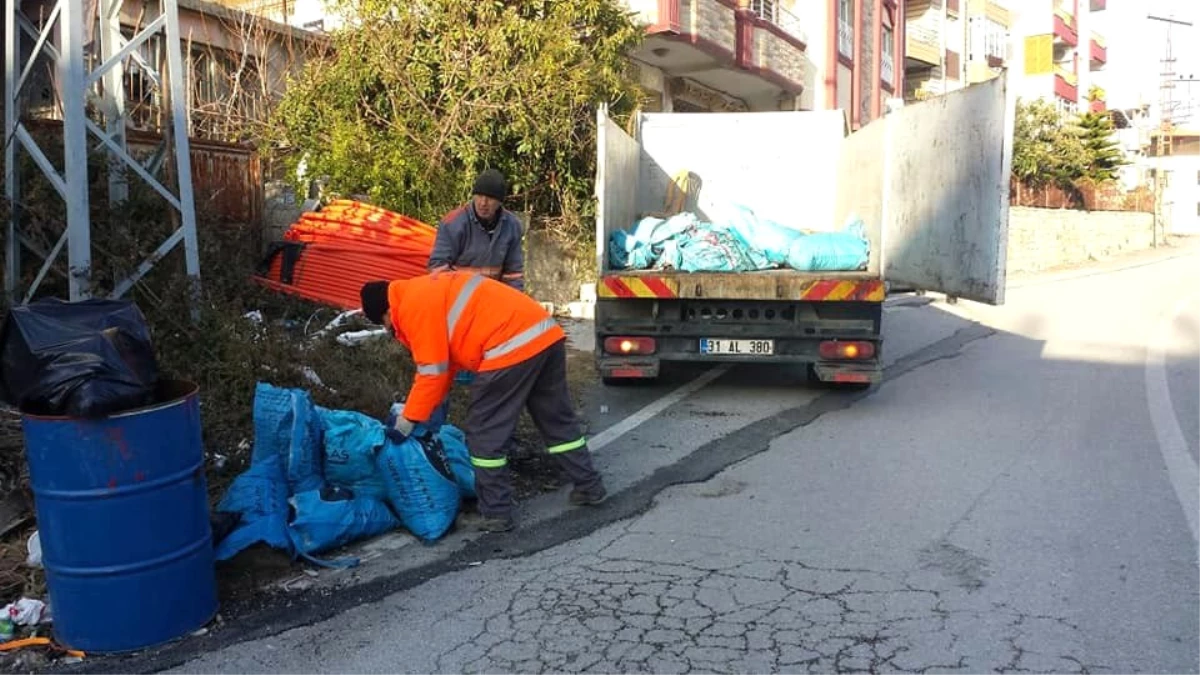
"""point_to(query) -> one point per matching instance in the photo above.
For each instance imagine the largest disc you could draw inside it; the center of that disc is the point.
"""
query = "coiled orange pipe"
(345, 245)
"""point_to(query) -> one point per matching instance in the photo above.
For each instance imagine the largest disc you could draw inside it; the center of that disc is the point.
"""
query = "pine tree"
(1104, 156)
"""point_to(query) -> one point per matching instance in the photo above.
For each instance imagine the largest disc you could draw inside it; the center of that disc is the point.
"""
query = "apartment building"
(1063, 53)
(721, 55)
(1177, 156)
(306, 14)
(950, 44)
(738, 55)
(760, 55)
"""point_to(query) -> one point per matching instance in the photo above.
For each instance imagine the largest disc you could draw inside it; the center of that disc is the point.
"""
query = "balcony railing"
(1067, 76)
(845, 39)
(926, 29)
(770, 10)
(1065, 14)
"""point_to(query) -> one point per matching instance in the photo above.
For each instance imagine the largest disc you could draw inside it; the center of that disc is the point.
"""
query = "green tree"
(414, 98)
(1104, 156)
(1045, 151)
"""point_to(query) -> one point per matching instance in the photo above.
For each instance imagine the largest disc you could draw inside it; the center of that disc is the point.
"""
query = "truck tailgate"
(766, 285)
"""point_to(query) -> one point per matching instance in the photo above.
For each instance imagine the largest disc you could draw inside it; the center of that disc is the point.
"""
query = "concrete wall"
(1041, 239)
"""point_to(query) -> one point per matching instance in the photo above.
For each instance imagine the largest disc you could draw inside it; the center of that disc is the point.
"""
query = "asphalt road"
(1020, 494)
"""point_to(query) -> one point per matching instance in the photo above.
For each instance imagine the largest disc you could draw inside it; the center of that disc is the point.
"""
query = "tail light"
(849, 350)
(629, 345)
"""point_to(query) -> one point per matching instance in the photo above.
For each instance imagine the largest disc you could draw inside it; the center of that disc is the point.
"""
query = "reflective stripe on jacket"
(461, 321)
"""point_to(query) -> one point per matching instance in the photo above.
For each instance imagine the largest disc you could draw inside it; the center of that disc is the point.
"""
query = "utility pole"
(1166, 104)
(61, 36)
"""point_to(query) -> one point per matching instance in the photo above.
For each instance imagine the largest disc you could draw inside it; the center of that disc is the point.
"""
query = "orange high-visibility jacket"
(454, 321)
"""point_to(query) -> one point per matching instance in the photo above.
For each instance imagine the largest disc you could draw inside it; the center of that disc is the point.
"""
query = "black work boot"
(477, 521)
(588, 497)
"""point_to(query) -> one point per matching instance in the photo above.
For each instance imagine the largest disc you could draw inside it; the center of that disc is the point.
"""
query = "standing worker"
(463, 321)
(481, 236)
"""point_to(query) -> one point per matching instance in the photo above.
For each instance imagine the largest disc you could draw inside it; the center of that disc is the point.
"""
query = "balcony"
(1065, 28)
(1098, 49)
(1097, 99)
(1098, 5)
(749, 50)
(923, 38)
(1066, 84)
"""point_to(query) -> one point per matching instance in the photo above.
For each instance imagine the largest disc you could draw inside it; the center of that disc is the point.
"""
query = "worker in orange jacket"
(454, 321)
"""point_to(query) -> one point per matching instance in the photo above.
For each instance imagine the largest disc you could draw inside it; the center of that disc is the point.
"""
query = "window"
(845, 28)
(988, 39)
(764, 9)
(996, 41)
(1198, 178)
(887, 63)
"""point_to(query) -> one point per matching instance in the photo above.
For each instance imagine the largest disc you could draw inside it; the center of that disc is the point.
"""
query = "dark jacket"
(463, 244)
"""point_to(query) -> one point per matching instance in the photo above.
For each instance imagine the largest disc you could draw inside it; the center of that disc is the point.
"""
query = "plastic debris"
(357, 337)
(34, 546)
(80, 359)
(36, 642)
(27, 612)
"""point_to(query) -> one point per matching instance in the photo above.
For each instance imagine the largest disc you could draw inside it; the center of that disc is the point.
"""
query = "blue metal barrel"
(122, 512)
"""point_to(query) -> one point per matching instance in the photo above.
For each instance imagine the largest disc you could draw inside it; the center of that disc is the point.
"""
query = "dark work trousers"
(497, 398)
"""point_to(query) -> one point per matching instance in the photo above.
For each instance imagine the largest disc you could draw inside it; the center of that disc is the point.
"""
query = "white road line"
(1181, 468)
(640, 417)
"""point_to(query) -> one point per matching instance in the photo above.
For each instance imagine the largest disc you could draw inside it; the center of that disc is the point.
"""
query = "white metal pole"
(12, 175)
(183, 155)
(111, 42)
(73, 94)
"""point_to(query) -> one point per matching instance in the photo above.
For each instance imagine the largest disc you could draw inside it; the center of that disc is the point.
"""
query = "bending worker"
(463, 321)
(481, 236)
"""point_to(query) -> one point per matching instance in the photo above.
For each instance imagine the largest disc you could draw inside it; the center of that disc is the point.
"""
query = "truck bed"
(781, 284)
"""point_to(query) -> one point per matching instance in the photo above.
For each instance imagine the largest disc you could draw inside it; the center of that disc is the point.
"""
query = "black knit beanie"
(374, 295)
(491, 183)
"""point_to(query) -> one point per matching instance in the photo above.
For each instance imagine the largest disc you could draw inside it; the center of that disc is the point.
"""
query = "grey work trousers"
(497, 398)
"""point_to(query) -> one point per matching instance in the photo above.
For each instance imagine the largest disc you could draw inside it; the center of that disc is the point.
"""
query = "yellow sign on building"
(1039, 55)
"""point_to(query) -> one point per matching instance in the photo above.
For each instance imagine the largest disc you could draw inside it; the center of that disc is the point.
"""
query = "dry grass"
(226, 354)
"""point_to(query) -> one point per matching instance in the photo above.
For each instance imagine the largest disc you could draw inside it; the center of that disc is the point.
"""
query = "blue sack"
(352, 441)
(260, 496)
(421, 485)
(829, 252)
(762, 234)
(331, 518)
(286, 426)
(455, 442)
(715, 248)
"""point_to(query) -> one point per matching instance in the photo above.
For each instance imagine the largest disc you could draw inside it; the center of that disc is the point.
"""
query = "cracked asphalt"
(1002, 503)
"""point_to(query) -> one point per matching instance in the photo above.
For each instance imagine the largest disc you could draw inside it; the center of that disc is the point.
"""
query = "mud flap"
(628, 369)
(848, 373)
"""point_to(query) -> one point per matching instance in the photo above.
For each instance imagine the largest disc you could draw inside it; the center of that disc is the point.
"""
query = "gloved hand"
(398, 428)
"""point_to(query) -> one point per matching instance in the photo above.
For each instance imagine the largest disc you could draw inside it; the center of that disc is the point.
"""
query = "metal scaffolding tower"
(1166, 111)
(61, 37)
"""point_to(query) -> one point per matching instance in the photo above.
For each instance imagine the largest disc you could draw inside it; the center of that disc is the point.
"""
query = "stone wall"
(711, 20)
(554, 270)
(1041, 239)
(776, 54)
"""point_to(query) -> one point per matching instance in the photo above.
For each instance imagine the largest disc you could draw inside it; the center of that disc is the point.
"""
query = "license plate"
(738, 347)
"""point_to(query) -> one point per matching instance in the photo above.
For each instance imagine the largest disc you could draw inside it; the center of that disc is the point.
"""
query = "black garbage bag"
(77, 359)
